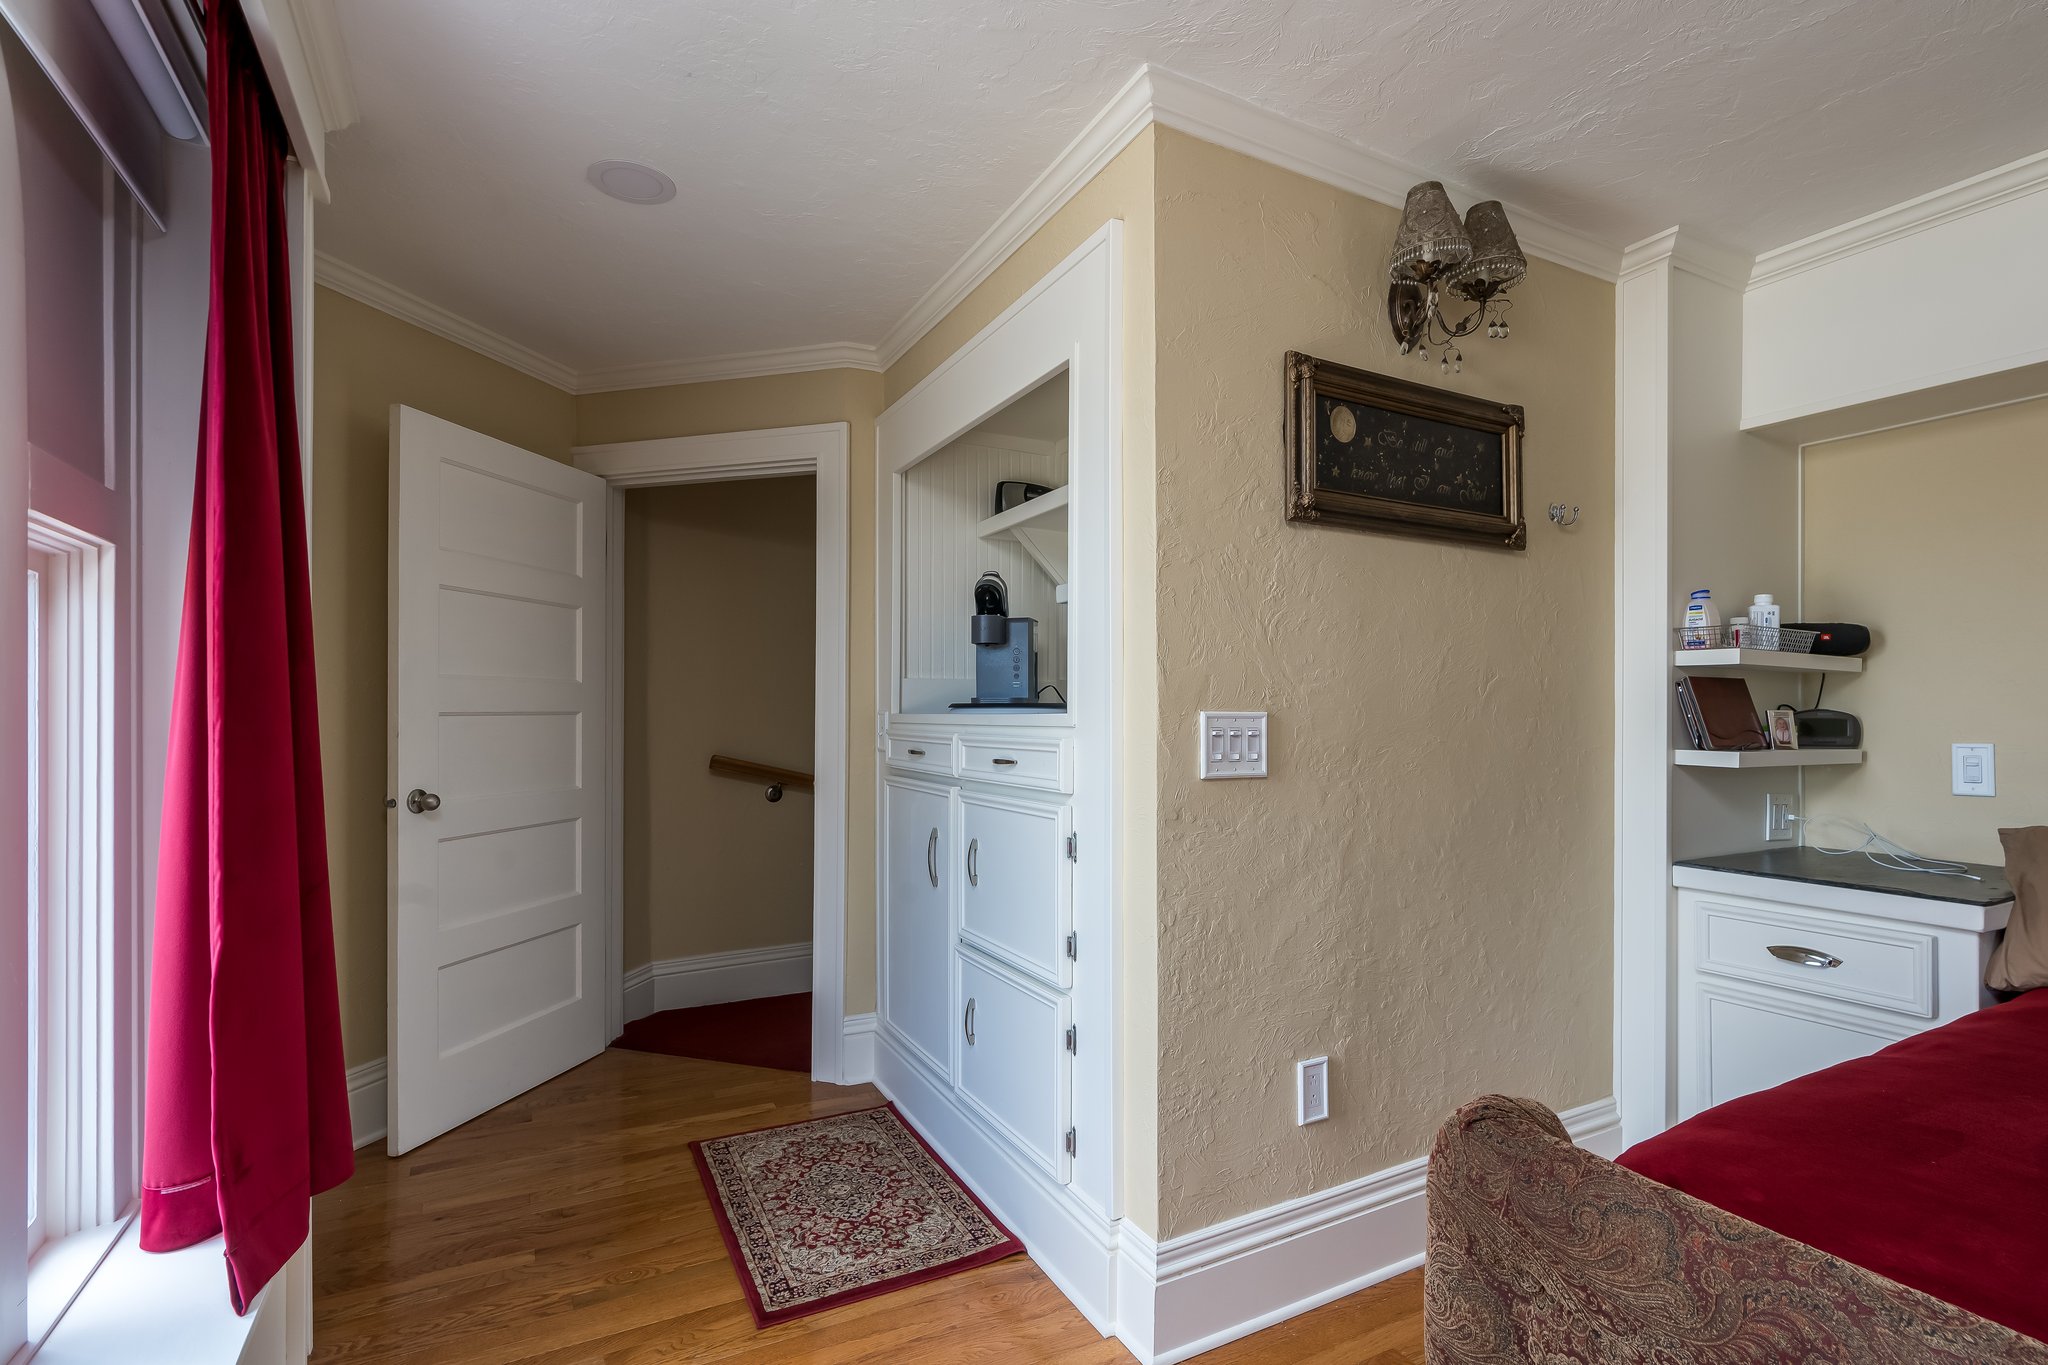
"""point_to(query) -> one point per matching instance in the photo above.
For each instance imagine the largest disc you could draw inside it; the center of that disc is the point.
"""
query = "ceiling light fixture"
(632, 182)
(1477, 259)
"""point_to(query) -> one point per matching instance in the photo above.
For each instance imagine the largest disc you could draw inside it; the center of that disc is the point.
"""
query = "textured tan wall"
(1422, 888)
(1123, 190)
(1930, 535)
(854, 397)
(720, 633)
(363, 362)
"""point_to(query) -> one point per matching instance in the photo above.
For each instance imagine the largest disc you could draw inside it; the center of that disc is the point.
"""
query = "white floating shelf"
(1047, 511)
(1766, 758)
(1738, 660)
(1040, 526)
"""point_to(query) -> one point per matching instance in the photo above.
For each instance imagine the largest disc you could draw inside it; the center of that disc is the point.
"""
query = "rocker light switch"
(1973, 770)
(1233, 744)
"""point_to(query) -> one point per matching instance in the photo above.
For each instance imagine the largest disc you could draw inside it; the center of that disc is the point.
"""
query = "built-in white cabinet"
(1017, 898)
(918, 878)
(1778, 978)
(1015, 1059)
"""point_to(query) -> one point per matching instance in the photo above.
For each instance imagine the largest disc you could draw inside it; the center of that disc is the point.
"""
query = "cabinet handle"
(931, 856)
(1804, 957)
(1004, 762)
(967, 1021)
(915, 753)
(973, 876)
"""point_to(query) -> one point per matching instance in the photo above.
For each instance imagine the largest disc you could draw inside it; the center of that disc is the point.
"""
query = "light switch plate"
(1233, 744)
(1975, 772)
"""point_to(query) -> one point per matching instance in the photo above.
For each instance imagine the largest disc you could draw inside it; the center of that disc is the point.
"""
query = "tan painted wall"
(1422, 888)
(854, 397)
(720, 631)
(1930, 535)
(1123, 190)
(363, 362)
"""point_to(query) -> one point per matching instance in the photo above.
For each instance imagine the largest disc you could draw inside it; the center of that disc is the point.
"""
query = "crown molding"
(1215, 116)
(1114, 128)
(366, 288)
(830, 355)
(334, 87)
(1157, 95)
(1686, 250)
(2014, 180)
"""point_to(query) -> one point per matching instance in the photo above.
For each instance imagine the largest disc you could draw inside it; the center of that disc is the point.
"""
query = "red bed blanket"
(1927, 1163)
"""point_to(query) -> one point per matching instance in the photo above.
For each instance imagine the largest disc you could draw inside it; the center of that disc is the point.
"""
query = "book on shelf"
(1720, 714)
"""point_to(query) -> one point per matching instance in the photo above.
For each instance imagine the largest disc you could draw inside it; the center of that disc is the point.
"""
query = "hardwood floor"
(569, 1228)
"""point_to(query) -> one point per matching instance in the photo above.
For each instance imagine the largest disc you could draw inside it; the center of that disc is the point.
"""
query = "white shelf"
(1047, 511)
(1738, 660)
(1766, 758)
(1040, 526)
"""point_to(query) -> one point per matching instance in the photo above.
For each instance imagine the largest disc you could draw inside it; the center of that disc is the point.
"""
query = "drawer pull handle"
(931, 856)
(973, 873)
(915, 753)
(967, 1021)
(1004, 762)
(1804, 957)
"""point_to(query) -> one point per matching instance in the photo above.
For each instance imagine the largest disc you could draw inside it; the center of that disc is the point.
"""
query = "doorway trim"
(822, 450)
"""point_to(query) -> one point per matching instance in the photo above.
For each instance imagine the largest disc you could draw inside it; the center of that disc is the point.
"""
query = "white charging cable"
(1883, 851)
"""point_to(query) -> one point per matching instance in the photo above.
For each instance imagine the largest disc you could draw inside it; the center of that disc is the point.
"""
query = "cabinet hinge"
(1073, 848)
(1072, 1037)
(1072, 1145)
(1073, 947)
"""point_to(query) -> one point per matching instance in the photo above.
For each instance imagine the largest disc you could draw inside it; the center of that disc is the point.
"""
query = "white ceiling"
(835, 157)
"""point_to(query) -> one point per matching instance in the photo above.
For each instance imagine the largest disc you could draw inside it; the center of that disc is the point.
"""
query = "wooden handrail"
(761, 772)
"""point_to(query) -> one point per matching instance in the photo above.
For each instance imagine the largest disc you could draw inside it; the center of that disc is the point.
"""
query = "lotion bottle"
(1700, 620)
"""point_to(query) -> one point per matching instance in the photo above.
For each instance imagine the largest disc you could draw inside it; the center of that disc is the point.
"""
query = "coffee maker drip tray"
(1008, 704)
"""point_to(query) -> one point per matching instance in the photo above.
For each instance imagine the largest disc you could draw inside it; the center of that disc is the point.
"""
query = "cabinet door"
(1753, 1042)
(917, 924)
(1016, 903)
(1014, 1064)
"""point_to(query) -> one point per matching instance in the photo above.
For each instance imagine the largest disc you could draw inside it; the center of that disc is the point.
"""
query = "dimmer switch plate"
(1233, 744)
(1973, 771)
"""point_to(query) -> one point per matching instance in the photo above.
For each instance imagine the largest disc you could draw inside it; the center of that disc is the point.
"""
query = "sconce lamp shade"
(1496, 259)
(1430, 237)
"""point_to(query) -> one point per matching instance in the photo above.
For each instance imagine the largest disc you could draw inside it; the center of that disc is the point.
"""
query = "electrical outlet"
(1777, 818)
(1311, 1090)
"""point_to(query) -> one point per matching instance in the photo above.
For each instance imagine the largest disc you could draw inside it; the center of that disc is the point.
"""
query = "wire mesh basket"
(1784, 639)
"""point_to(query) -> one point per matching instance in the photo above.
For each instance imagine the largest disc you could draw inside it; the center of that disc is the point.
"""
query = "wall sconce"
(1477, 259)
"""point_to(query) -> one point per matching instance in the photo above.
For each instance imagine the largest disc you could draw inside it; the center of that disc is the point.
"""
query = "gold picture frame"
(1375, 453)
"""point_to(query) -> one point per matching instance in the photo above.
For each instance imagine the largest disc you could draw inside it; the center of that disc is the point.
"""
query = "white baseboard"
(857, 1053)
(680, 983)
(1238, 1276)
(366, 1108)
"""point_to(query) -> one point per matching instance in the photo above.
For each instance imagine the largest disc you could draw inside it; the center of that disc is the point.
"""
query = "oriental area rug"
(829, 1211)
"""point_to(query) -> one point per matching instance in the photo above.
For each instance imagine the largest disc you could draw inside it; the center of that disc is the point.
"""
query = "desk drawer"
(1037, 763)
(922, 753)
(1883, 968)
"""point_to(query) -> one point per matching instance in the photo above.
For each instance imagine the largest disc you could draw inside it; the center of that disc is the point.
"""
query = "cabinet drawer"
(1016, 905)
(1014, 1064)
(922, 753)
(1884, 968)
(1753, 1042)
(1039, 763)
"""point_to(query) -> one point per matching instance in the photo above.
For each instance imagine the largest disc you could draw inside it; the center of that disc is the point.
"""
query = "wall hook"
(1564, 516)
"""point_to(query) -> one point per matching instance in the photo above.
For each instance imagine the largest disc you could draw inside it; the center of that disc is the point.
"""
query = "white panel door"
(1014, 1063)
(496, 834)
(1015, 905)
(917, 920)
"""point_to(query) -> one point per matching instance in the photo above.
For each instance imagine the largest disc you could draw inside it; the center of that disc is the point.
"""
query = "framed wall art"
(1376, 453)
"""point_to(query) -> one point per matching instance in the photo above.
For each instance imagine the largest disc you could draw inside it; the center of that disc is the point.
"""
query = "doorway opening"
(718, 621)
(727, 563)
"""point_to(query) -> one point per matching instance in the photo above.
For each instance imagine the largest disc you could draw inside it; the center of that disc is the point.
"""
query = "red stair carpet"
(774, 1031)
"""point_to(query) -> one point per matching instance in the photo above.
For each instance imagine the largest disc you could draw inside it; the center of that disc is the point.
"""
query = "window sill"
(171, 1309)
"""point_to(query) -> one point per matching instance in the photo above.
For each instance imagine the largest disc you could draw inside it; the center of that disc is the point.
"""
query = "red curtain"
(246, 1112)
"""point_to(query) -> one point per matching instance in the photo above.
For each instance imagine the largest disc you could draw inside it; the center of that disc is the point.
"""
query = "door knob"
(419, 801)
